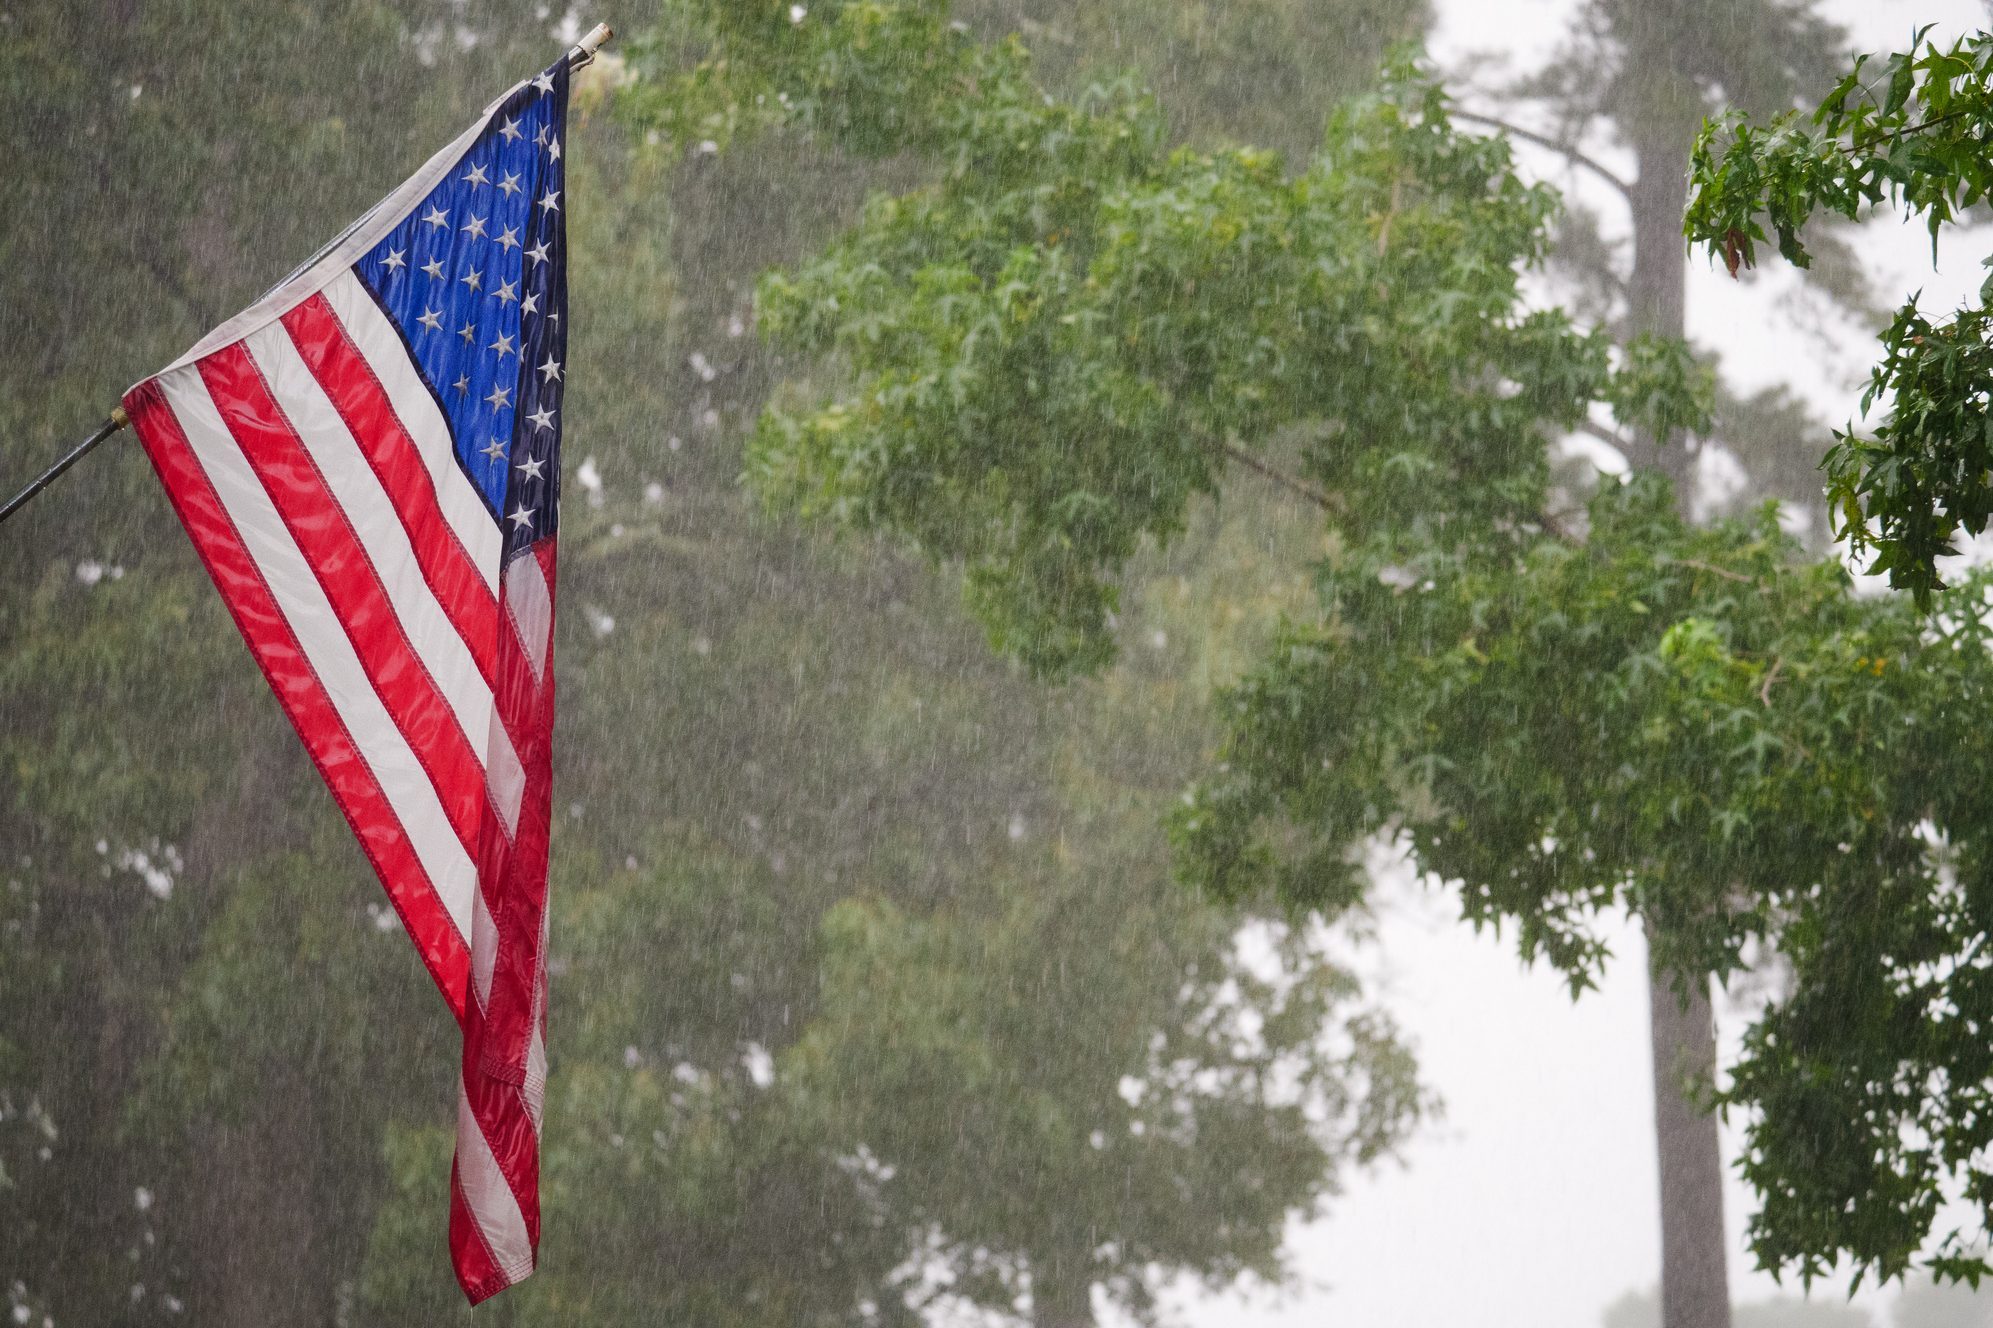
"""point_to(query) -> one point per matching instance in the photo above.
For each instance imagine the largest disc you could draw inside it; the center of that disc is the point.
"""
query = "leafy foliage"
(1905, 130)
(1265, 72)
(1056, 348)
(1030, 372)
(1694, 726)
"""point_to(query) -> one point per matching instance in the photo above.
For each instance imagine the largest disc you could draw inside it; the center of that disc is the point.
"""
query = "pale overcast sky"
(1533, 1204)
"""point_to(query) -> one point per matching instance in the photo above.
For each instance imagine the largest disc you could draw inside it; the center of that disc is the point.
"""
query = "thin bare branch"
(1570, 153)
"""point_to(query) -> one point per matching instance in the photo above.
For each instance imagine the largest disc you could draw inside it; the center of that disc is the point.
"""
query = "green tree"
(1661, 70)
(1253, 71)
(1648, 73)
(1038, 363)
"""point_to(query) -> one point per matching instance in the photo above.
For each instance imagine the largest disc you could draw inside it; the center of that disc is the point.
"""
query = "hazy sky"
(1533, 1204)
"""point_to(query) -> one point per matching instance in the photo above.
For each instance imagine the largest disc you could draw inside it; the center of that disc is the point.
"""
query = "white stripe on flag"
(302, 601)
(382, 347)
(534, 1090)
(505, 778)
(489, 1196)
(531, 607)
(484, 949)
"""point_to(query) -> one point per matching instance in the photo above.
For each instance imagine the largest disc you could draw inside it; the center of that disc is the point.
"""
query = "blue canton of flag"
(476, 279)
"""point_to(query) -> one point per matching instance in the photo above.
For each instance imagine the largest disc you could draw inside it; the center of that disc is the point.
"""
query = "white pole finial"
(584, 50)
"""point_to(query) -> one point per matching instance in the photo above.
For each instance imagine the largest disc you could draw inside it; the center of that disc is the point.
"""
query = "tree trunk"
(1695, 1290)
(1061, 1297)
(1658, 293)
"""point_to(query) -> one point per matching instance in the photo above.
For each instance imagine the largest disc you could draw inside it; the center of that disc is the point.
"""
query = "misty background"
(875, 1000)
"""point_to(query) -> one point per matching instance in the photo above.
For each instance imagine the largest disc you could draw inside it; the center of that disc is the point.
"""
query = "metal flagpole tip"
(585, 49)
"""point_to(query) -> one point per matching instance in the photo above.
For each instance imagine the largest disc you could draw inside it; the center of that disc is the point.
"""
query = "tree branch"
(1326, 501)
(1714, 570)
(1233, 452)
(1554, 523)
(1908, 130)
(1570, 153)
(1550, 521)
(1771, 674)
(1605, 435)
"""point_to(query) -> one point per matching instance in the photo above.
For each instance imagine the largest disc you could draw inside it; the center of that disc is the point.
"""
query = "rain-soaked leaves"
(1033, 366)
(1051, 352)
(1906, 130)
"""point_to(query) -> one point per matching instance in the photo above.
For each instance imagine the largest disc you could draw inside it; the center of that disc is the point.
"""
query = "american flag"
(368, 462)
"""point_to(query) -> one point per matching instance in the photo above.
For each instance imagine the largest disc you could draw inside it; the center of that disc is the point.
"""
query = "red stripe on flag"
(477, 1272)
(290, 675)
(324, 534)
(356, 393)
(514, 880)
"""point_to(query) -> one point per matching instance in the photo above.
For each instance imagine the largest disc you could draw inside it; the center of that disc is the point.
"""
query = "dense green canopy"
(1032, 367)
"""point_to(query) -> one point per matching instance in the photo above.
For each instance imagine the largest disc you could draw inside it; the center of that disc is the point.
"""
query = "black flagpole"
(113, 422)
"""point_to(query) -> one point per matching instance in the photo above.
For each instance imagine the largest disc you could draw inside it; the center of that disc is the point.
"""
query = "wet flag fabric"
(368, 462)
